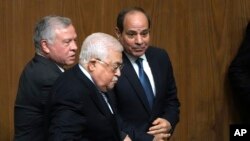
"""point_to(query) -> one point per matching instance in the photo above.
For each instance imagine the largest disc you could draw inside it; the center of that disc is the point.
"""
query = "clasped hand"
(160, 129)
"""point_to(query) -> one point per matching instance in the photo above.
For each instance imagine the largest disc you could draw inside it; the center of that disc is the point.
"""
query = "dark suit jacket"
(79, 112)
(135, 116)
(35, 83)
(239, 76)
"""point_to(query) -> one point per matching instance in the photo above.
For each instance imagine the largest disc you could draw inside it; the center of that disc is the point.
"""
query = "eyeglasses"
(114, 67)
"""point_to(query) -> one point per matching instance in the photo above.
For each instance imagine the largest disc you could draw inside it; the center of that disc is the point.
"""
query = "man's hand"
(161, 137)
(160, 129)
(127, 138)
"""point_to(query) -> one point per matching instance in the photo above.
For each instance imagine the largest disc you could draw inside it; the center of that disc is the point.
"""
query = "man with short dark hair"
(145, 94)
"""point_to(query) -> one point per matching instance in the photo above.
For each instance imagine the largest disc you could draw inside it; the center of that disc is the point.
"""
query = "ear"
(91, 65)
(45, 46)
(118, 33)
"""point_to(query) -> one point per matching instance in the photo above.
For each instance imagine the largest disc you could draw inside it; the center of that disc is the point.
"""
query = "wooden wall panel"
(201, 36)
(6, 77)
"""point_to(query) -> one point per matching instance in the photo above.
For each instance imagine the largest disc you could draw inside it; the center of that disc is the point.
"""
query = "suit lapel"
(129, 72)
(114, 122)
(94, 93)
(49, 63)
(155, 72)
(98, 100)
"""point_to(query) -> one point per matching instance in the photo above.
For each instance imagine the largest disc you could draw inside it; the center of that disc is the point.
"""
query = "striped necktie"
(107, 102)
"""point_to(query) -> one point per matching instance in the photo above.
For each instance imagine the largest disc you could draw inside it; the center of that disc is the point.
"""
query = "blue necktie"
(145, 82)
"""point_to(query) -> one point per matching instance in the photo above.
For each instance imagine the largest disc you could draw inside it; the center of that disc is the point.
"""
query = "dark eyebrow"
(131, 31)
(143, 31)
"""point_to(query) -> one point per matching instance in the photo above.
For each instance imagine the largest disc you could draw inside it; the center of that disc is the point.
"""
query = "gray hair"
(97, 45)
(45, 29)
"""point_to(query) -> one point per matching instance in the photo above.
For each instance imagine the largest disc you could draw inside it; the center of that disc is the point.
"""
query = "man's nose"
(74, 46)
(118, 72)
(138, 39)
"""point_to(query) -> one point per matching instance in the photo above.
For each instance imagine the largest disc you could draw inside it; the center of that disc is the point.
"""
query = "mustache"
(115, 79)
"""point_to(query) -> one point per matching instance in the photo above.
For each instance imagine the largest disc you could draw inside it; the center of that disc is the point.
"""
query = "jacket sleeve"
(66, 120)
(239, 69)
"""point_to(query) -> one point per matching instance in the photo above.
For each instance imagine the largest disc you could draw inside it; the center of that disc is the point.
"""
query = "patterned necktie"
(145, 82)
(107, 102)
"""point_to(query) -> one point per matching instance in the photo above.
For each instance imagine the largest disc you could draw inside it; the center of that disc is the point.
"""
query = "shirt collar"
(86, 72)
(133, 59)
(60, 68)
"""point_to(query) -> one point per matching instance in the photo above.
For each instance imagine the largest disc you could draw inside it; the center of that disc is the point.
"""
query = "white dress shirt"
(146, 68)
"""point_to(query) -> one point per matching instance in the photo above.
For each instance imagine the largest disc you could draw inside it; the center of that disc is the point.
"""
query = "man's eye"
(130, 34)
(145, 33)
(67, 42)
